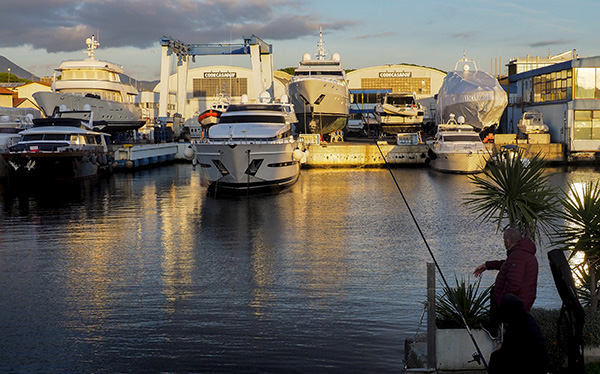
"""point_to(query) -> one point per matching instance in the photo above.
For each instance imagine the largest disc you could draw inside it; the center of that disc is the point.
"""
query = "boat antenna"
(478, 356)
(320, 46)
(92, 45)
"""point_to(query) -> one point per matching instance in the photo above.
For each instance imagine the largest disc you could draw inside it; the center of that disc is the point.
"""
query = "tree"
(514, 192)
(579, 232)
(289, 70)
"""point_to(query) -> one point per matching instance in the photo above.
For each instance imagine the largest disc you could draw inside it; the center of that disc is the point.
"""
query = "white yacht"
(59, 149)
(532, 122)
(399, 112)
(320, 95)
(457, 148)
(14, 120)
(471, 93)
(97, 84)
(251, 148)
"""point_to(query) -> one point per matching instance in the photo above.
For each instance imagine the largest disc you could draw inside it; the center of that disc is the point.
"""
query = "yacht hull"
(458, 162)
(247, 167)
(322, 106)
(29, 167)
(109, 116)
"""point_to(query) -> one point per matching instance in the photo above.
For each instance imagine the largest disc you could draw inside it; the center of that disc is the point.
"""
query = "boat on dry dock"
(320, 95)
(472, 94)
(59, 148)
(457, 148)
(532, 122)
(97, 85)
(251, 149)
(399, 112)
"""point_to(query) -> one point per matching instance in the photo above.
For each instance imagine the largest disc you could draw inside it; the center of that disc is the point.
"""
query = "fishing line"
(452, 299)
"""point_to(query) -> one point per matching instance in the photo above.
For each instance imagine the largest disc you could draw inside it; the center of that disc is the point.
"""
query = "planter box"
(454, 348)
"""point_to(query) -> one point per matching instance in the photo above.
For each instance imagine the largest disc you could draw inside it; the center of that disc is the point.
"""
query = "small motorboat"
(532, 122)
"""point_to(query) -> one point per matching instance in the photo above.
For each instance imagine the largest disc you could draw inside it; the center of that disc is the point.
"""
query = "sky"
(38, 34)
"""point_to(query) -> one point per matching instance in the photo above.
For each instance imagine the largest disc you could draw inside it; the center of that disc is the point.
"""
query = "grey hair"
(513, 234)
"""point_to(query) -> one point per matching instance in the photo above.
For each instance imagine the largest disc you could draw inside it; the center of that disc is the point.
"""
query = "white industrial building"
(204, 86)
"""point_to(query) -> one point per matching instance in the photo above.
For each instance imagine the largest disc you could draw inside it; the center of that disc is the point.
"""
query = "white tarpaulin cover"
(473, 94)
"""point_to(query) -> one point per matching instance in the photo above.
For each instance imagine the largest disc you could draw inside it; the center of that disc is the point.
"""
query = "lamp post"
(8, 75)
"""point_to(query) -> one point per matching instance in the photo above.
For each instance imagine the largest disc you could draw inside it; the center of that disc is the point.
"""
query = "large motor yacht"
(96, 84)
(251, 148)
(320, 95)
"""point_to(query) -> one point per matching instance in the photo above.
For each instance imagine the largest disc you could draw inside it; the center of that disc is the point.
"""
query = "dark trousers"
(494, 324)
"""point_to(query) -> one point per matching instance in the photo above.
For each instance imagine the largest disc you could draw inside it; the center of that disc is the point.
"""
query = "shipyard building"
(568, 96)
(205, 85)
(367, 84)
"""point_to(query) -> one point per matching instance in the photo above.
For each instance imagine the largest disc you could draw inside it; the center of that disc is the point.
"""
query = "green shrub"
(592, 368)
(556, 342)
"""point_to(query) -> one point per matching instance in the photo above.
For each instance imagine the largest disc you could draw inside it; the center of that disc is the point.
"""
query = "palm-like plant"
(469, 300)
(514, 193)
(580, 233)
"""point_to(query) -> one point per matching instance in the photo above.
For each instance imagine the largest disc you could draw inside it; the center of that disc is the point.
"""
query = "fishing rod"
(452, 299)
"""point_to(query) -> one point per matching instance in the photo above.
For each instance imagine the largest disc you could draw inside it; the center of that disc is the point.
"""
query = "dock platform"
(365, 153)
(132, 156)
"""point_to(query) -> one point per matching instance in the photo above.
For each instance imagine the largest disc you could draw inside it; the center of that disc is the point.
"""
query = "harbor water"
(144, 272)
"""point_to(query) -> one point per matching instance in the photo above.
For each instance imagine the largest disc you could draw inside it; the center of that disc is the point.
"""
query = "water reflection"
(145, 272)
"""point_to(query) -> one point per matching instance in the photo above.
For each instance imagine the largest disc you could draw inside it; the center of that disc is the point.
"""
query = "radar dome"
(244, 99)
(306, 57)
(264, 97)
(460, 119)
(284, 99)
(335, 56)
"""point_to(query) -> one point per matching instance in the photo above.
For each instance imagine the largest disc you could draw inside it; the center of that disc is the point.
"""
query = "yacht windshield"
(252, 119)
(462, 138)
(318, 73)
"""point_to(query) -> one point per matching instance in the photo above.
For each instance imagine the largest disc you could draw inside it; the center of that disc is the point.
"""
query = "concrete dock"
(366, 153)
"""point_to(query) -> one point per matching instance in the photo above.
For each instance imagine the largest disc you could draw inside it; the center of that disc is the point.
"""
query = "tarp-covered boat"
(471, 93)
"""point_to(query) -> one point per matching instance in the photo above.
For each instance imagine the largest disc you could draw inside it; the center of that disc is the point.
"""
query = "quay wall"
(368, 155)
(364, 155)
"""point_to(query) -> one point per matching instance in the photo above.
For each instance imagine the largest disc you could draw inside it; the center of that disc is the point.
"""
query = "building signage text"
(395, 74)
(220, 74)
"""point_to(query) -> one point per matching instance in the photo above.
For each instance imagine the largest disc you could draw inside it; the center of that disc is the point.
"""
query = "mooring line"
(433, 257)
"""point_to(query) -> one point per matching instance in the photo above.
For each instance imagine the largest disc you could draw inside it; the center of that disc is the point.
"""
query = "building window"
(586, 125)
(552, 86)
(212, 87)
(585, 83)
(420, 86)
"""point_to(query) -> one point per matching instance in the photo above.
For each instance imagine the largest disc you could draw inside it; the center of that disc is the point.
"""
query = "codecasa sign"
(220, 74)
(395, 74)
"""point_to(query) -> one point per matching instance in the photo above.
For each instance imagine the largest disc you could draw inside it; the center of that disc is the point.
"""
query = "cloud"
(546, 43)
(62, 25)
(374, 36)
(462, 35)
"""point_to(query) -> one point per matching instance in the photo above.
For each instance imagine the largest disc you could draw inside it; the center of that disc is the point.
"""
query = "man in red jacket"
(518, 273)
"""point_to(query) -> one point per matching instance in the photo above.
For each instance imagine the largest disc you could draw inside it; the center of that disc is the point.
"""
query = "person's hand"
(479, 270)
